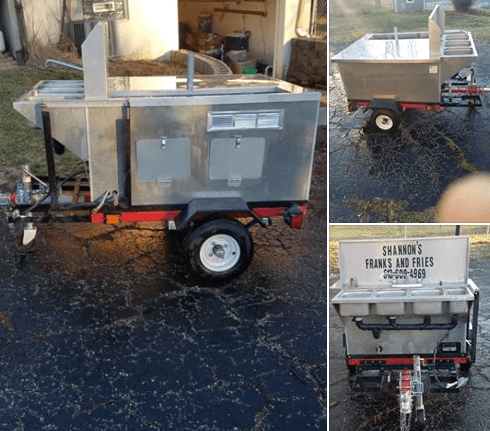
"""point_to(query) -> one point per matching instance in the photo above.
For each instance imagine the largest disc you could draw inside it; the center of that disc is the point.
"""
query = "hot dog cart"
(209, 155)
(392, 72)
(408, 309)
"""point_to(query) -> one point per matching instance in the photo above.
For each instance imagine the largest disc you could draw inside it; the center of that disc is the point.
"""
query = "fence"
(319, 19)
(341, 232)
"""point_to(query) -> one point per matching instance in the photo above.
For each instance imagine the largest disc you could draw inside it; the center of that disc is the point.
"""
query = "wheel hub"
(384, 122)
(220, 253)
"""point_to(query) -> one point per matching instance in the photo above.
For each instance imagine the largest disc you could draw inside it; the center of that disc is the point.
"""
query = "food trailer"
(409, 310)
(211, 156)
(391, 72)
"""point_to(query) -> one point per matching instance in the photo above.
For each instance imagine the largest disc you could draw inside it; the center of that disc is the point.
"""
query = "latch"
(234, 179)
(164, 142)
(164, 182)
(238, 140)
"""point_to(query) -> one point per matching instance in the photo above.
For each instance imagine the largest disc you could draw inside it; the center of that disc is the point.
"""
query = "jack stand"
(411, 388)
(418, 391)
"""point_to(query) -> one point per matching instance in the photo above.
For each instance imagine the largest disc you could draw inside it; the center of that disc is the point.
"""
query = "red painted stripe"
(404, 361)
(420, 106)
(154, 216)
(463, 90)
(151, 216)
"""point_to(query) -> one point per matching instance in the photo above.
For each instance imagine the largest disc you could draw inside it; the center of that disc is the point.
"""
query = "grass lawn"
(19, 144)
(351, 19)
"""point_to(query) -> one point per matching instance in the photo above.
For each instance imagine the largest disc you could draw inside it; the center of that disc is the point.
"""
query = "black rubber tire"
(227, 234)
(420, 419)
(385, 120)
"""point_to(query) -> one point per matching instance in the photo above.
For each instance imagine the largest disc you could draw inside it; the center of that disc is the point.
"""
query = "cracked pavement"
(466, 410)
(103, 327)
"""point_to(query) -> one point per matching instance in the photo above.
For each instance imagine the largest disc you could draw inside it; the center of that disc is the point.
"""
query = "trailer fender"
(213, 206)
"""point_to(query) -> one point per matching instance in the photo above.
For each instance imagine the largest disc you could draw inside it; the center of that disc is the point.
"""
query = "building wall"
(152, 30)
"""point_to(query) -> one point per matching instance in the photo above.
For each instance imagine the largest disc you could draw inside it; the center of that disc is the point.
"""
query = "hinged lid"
(371, 263)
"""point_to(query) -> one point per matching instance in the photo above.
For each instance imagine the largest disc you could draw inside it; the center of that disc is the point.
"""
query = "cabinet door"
(236, 159)
(163, 158)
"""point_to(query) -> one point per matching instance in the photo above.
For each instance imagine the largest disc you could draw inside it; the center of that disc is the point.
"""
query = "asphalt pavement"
(464, 411)
(104, 328)
(415, 164)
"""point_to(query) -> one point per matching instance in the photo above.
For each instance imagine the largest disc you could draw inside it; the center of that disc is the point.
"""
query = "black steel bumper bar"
(392, 325)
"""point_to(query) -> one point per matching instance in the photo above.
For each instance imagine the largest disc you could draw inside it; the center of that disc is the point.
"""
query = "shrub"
(462, 5)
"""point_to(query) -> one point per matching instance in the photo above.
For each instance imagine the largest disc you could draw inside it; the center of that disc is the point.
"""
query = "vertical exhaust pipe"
(190, 71)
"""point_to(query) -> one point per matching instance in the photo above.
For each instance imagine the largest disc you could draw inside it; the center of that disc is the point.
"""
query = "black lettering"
(384, 250)
(420, 248)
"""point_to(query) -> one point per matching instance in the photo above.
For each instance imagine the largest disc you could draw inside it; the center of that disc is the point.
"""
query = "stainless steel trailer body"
(409, 70)
(403, 299)
(177, 149)
(250, 136)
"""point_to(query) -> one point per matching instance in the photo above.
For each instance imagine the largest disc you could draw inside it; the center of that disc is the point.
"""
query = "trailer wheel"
(219, 249)
(385, 120)
(420, 419)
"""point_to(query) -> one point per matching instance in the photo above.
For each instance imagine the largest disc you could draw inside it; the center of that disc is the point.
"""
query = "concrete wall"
(309, 63)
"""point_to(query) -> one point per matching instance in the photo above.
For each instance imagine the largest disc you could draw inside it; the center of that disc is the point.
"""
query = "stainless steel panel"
(277, 169)
(405, 67)
(416, 82)
(94, 54)
(360, 342)
(239, 157)
(163, 159)
(104, 136)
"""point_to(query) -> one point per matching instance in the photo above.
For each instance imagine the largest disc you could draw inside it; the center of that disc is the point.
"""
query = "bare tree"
(462, 5)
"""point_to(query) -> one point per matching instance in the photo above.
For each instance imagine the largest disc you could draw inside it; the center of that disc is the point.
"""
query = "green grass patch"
(391, 211)
(463, 161)
(350, 20)
(19, 144)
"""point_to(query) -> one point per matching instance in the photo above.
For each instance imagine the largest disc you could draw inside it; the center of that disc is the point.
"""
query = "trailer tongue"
(208, 155)
(408, 308)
